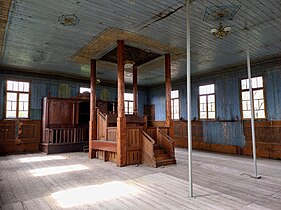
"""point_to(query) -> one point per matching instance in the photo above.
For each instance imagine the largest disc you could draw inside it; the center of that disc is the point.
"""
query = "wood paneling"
(133, 146)
(60, 128)
(18, 136)
(147, 150)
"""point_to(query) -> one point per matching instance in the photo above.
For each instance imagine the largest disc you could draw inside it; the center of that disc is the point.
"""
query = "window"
(207, 103)
(17, 100)
(258, 98)
(129, 99)
(84, 89)
(175, 102)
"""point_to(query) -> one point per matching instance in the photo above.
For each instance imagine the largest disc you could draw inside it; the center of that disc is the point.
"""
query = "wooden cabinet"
(65, 124)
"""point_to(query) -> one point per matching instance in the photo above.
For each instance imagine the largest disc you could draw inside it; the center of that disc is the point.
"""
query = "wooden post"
(169, 121)
(135, 90)
(121, 120)
(93, 114)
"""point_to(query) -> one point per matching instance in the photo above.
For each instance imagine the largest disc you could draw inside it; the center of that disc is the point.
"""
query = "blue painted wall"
(228, 129)
(40, 87)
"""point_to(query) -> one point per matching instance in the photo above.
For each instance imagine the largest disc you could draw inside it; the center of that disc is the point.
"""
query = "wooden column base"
(121, 141)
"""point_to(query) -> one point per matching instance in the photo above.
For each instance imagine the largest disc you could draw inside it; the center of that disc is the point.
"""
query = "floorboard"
(71, 180)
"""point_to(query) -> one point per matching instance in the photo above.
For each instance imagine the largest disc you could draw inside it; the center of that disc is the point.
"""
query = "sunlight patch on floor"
(57, 170)
(39, 159)
(92, 194)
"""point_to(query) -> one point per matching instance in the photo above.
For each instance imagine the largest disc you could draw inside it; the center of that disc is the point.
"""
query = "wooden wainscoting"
(268, 138)
(133, 145)
(19, 136)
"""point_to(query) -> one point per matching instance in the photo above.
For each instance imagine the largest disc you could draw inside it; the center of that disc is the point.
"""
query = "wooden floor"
(72, 181)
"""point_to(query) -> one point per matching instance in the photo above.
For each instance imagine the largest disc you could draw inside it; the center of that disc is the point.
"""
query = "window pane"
(174, 94)
(203, 99)
(202, 90)
(203, 107)
(259, 114)
(245, 95)
(206, 89)
(11, 97)
(21, 86)
(211, 98)
(211, 115)
(23, 114)
(21, 106)
(9, 85)
(11, 114)
(176, 116)
(244, 84)
(259, 82)
(23, 97)
(246, 105)
(246, 114)
(26, 86)
(258, 94)
(25, 106)
(14, 106)
(211, 88)
(15, 86)
(258, 104)
(84, 89)
(203, 115)
(176, 102)
(211, 107)
(129, 96)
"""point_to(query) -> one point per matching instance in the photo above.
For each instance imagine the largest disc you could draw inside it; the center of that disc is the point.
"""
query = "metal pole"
(188, 84)
(252, 107)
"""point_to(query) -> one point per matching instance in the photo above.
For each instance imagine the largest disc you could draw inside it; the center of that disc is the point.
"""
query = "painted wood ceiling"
(35, 40)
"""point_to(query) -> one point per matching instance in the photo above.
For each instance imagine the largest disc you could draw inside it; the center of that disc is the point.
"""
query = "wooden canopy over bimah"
(126, 139)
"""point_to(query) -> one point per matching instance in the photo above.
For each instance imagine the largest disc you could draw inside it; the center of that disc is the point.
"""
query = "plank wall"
(229, 132)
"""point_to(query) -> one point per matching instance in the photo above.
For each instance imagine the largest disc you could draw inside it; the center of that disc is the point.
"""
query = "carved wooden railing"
(65, 135)
(148, 157)
(152, 131)
(166, 142)
(101, 125)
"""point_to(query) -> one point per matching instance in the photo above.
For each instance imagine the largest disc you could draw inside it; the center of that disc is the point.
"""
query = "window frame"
(253, 89)
(172, 105)
(215, 102)
(128, 102)
(18, 93)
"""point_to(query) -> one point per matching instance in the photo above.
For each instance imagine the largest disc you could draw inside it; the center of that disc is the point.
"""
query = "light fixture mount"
(220, 13)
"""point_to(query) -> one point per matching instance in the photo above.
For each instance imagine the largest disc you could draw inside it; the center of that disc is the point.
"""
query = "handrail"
(101, 114)
(148, 137)
(168, 137)
(166, 142)
(148, 157)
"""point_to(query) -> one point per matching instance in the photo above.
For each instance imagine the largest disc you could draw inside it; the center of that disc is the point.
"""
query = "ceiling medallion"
(68, 20)
(220, 13)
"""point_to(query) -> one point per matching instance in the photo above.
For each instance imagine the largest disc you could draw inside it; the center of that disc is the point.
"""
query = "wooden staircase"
(161, 157)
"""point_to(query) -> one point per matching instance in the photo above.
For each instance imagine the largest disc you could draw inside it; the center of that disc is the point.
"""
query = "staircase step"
(166, 162)
(159, 151)
(162, 157)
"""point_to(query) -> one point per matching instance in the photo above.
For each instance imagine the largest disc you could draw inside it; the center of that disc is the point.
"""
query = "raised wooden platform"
(62, 148)
(73, 181)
